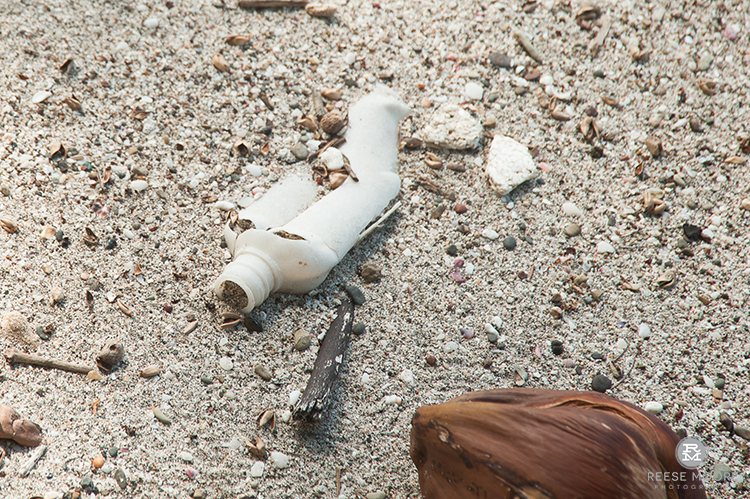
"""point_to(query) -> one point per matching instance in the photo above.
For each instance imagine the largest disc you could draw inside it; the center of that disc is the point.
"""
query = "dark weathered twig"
(14, 356)
(316, 398)
(270, 4)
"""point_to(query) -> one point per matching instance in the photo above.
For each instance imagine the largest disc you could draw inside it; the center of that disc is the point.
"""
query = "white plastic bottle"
(297, 256)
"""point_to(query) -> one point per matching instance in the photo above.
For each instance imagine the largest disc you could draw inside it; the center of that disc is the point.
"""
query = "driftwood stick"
(15, 357)
(35, 457)
(270, 4)
(316, 398)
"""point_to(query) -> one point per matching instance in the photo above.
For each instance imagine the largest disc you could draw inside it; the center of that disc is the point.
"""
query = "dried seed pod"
(90, 239)
(150, 371)
(15, 328)
(559, 114)
(588, 11)
(124, 308)
(708, 87)
(610, 101)
(337, 177)
(589, 128)
(22, 431)
(433, 161)
(220, 63)
(410, 143)
(110, 355)
(8, 225)
(57, 150)
(267, 418)
(73, 103)
(544, 443)
(310, 122)
(259, 448)
(332, 122)
(242, 147)
(237, 39)
(320, 10)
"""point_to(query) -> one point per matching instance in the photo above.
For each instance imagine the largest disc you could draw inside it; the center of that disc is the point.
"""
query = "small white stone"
(708, 381)
(226, 363)
(392, 400)
(53, 494)
(365, 378)
(139, 185)
(450, 347)
(128, 233)
(225, 205)
(151, 23)
(254, 170)
(546, 80)
(644, 330)
(407, 377)
(41, 96)
(332, 159)
(492, 334)
(621, 344)
(571, 210)
(286, 416)
(122, 47)
(294, 397)
(280, 460)
(604, 247)
(509, 164)
(349, 58)
(473, 91)
(497, 322)
(186, 456)
(490, 234)
(452, 127)
(256, 471)
(654, 407)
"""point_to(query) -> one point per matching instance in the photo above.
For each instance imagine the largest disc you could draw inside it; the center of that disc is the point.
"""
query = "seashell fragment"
(237, 39)
(8, 225)
(110, 355)
(667, 279)
(220, 63)
(509, 164)
(320, 10)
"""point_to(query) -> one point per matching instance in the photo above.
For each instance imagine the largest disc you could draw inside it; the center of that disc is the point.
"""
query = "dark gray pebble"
(113, 451)
(500, 60)
(601, 383)
(509, 243)
(597, 356)
(206, 380)
(356, 294)
(111, 244)
(358, 328)
(557, 347)
(452, 250)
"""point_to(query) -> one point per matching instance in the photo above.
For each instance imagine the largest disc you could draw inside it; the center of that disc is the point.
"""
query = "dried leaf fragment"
(220, 63)
(8, 225)
(237, 39)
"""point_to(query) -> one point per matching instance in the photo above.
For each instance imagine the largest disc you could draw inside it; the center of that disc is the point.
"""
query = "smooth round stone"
(139, 185)
(376, 495)
(226, 363)
(644, 331)
(722, 472)
(473, 91)
(113, 451)
(557, 347)
(151, 23)
(509, 243)
(280, 460)
(299, 151)
(186, 456)
(572, 230)
(294, 397)
(621, 344)
(654, 407)
(225, 205)
(719, 383)
(491, 332)
(571, 210)
(356, 294)
(407, 377)
(490, 234)
(302, 340)
(359, 328)
(450, 347)
(604, 247)
(499, 60)
(569, 363)
(601, 383)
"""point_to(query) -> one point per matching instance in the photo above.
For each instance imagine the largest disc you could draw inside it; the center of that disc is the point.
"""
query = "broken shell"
(190, 327)
(610, 101)
(259, 448)
(735, 160)
(150, 371)
(242, 147)
(652, 202)
(90, 239)
(220, 63)
(653, 144)
(520, 376)
(89, 300)
(667, 279)
(48, 232)
(15, 328)
(310, 122)
(332, 122)
(267, 418)
(9, 225)
(320, 10)
(587, 12)
(433, 161)
(57, 149)
(560, 115)
(73, 103)
(708, 87)
(158, 414)
(331, 93)
(110, 355)
(337, 177)
(589, 128)
(124, 309)
(68, 67)
(237, 39)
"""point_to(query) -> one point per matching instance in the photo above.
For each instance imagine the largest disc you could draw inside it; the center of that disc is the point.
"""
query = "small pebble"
(302, 340)
(376, 495)
(356, 294)
(572, 230)
(557, 347)
(644, 331)
(654, 407)
(263, 372)
(280, 460)
(98, 461)
(294, 397)
(256, 471)
(111, 244)
(571, 210)
(370, 272)
(473, 91)
(299, 151)
(158, 414)
(392, 400)
(509, 243)
(722, 472)
(604, 247)
(431, 360)
(186, 456)
(199, 494)
(601, 383)
(113, 451)
(206, 380)
(139, 185)
(226, 363)
(460, 208)
(151, 23)
(358, 328)
(451, 250)
(490, 234)
(450, 347)
(499, 60)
